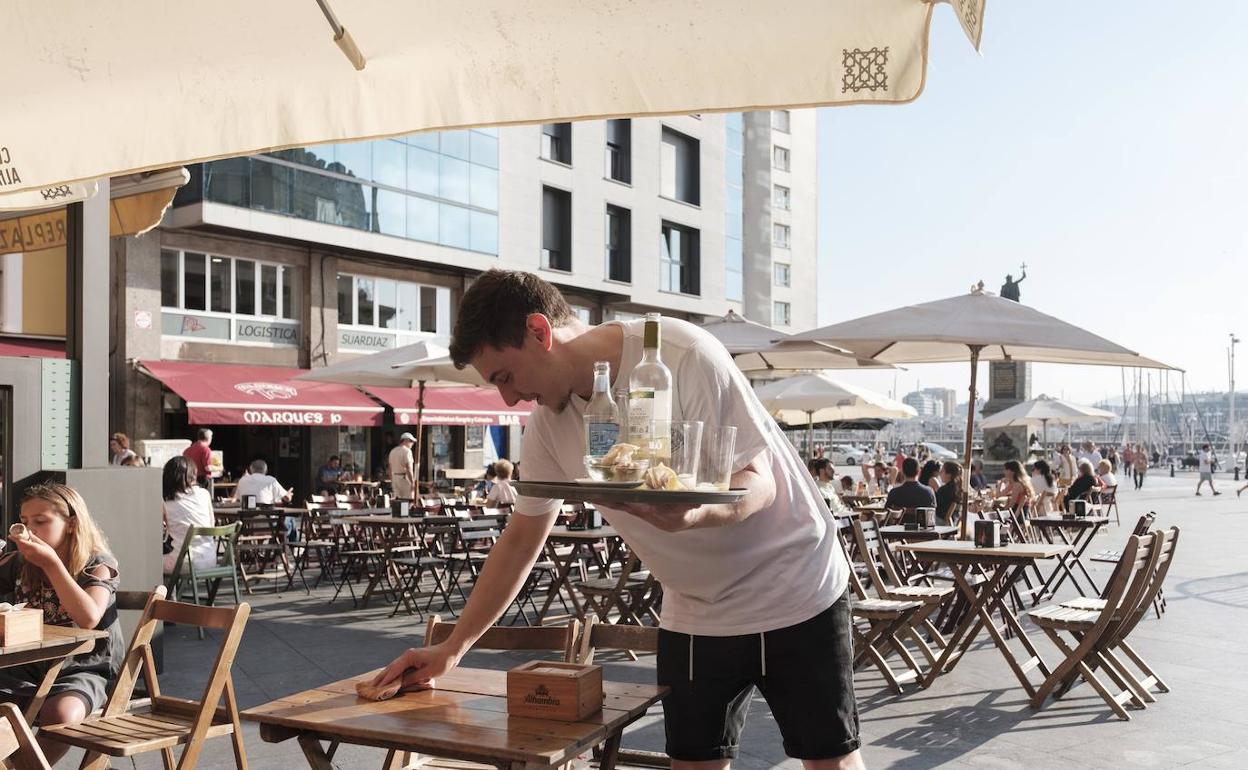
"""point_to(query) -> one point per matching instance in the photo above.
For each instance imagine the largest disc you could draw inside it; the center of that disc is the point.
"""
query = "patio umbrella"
(754, 348)
(408, 366)
(816, 397)
(99, 89)
(1044, 410)
(975, 326)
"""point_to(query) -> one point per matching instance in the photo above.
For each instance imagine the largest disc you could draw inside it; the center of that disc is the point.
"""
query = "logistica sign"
(266, 331)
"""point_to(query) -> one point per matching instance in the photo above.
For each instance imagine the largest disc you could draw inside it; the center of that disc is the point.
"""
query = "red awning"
(229, 394)
(453, 406)
(31, 348)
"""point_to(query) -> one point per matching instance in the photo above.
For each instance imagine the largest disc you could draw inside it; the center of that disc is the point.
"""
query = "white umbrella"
(754, 348)
(975, 326)
(816, 397)
(98, 89)
(411, 365)
(1044, 410)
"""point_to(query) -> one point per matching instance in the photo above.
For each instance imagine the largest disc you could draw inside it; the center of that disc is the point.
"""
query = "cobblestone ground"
(977, 716)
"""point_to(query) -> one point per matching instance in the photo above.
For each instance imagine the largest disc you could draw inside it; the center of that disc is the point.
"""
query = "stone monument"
(1009, 383)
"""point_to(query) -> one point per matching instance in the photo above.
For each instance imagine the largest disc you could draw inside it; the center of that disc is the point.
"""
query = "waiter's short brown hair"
(495, 308)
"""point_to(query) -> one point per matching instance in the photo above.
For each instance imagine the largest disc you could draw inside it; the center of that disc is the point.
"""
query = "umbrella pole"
(420, 418)
(810, 436)
(970, 428)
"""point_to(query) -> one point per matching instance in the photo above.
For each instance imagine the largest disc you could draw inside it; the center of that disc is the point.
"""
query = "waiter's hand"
(669, 518)
(418, 666)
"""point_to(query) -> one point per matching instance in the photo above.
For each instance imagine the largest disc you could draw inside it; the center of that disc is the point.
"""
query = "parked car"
(845, 454)
(937, 452)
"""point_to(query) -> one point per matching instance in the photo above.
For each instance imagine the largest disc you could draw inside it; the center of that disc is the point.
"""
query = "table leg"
(562, 568)
(312, 751)
(968, 628)
(998, 603)
(610, 752)
(1077, 557)
(1060, 572)
(41, 694)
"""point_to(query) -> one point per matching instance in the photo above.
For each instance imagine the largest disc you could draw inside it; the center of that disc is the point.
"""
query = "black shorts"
(808, 681)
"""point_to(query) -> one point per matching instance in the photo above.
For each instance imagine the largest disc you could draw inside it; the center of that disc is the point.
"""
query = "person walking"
(1140, 465)
(1205, 466)
(740, 611)
(200, 453)
(403, 468)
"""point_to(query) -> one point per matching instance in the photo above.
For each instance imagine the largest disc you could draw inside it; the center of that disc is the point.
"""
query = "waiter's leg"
(710, 687)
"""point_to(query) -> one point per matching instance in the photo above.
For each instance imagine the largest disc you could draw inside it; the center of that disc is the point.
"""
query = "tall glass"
(678, 444)
(719, 446)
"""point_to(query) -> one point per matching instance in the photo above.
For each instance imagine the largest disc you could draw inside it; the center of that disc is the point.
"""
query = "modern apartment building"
(295, 258)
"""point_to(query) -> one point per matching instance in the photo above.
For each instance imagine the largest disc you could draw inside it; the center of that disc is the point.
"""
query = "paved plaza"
(977, 716)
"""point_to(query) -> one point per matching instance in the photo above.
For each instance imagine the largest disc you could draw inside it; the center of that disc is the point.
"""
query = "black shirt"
(1080, 487)
(911, 494)
(946, 499)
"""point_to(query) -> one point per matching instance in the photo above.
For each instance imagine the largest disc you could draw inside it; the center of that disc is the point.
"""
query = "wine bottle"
(602, 416)
(650, 397)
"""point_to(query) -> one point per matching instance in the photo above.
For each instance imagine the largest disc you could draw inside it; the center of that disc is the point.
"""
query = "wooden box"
(20, 627)
(564, 691)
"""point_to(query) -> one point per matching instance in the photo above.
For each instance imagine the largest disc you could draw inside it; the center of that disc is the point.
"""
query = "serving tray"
(570, 490)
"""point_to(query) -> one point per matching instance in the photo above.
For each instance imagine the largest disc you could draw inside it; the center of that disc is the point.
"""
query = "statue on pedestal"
(1009, 290)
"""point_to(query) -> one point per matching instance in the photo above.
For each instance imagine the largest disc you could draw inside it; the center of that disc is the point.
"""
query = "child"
(501, 493)
(65, 569)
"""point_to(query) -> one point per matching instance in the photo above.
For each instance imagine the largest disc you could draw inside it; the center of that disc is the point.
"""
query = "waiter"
(754, 592)
(403, 468)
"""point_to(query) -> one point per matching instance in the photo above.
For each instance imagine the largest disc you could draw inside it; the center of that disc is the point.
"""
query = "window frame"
(778, 240)
(776, 307)
(567, 231)
(787, 197)
(777, 268)
(693, 146)
(283, 271)
(695, 259)
(787, 121)
(627, 229)
(402, 336)
(561, 138)
(776, 151)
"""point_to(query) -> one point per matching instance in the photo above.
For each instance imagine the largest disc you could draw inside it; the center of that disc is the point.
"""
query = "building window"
(620, 150)
(619, 239)
(215, 297)
(784, 274)
(582, 313)
(780, 236)
(781, 197)
(781, 316)
(780, 158)
(679, 259)
(366, 304)
(407, 188)
(557, 142)
(556, 229)
(679, 167)
(780, 120)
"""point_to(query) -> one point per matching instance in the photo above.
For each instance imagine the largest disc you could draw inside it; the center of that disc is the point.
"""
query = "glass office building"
(435, 187)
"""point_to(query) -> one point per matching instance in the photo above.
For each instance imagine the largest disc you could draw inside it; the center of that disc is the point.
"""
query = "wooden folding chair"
(226, 538)
(888, 584)
(264, 552)
(1150, 678)
(1094, 630)
(474, 539)
(1109, 499)
(120, 732)
(18, 747)
(1110, 556)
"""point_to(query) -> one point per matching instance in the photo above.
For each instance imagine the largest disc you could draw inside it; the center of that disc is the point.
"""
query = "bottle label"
(601, 436)
(640, 415)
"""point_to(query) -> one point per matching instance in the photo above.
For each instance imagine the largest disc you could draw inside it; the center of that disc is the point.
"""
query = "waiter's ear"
(537, 327)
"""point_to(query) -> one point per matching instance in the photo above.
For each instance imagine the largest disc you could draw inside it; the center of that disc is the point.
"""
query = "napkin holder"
(568, 692)
(1077, 509)
(23, 626)
(987, 534)
(249, 503)
(919, 518)
(401, 508)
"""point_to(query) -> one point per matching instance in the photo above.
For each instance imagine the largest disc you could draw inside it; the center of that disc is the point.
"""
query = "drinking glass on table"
(683, 447)
(719, 445)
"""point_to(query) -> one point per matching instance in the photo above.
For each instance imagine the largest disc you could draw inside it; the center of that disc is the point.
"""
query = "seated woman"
(186, 505)
(978, 481)
(930, 475)
(501, 493)
(63, 567)
(1084, 484)
(949, 495)
(1015, 487)
(1045, 484)
(1105, 473)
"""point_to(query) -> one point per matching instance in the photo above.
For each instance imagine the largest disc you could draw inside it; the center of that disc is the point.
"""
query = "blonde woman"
(63, 567)
(501, 493)
(1016, 487)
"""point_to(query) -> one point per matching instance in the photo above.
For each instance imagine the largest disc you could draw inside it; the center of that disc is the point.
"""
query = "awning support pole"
(970, 428)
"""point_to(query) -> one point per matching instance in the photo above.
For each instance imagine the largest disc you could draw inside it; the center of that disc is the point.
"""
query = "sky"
(1104, 144)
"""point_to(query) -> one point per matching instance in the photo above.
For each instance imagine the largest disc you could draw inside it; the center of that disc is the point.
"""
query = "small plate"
(589, 483)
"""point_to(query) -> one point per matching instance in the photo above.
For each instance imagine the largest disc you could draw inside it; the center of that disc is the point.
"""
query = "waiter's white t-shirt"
(779, 567)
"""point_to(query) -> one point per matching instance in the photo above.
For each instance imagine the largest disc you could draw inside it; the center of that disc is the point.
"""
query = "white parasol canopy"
(816, 397)
(403, 367)
(754, 348)
(975, 326)
(98, 89)
(1044, 410)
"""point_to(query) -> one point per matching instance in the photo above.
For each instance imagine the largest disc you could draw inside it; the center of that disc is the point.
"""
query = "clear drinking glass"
(719, 446)
(678, 443)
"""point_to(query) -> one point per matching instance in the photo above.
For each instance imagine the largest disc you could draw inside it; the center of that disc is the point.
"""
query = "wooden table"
(1008, 563)
(58, 645)
(463, 474)
(1084, 528)
(899, 532)
(582, 544)
(464, 718)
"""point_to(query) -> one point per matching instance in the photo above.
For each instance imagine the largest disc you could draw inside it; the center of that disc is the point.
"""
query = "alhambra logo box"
(568, 692)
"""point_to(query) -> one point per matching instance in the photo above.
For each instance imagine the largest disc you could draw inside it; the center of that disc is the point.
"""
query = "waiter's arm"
(756, 477)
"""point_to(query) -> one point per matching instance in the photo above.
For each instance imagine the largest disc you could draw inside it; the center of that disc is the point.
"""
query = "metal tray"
(568, 490)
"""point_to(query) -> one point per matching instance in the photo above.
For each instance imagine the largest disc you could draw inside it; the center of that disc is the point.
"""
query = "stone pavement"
(977, 716)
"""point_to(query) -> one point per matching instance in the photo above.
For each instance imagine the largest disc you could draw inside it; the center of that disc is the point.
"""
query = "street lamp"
(1231, 429)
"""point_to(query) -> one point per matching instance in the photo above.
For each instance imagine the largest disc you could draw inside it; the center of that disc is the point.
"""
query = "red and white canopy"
(453, 406)
(231, 394)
